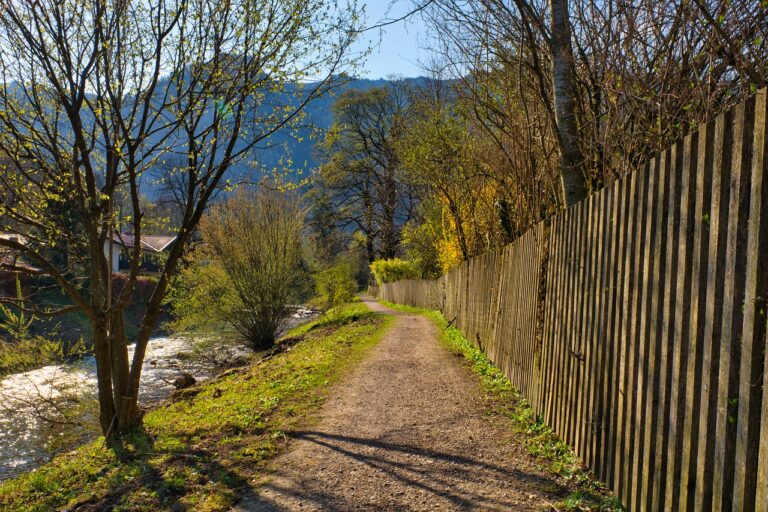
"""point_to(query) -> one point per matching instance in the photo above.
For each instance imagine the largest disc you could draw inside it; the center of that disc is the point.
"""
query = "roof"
(10, 262)
(151, 243)
(15, 237)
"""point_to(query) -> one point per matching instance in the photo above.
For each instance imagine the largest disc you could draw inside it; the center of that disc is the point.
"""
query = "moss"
(202, 453)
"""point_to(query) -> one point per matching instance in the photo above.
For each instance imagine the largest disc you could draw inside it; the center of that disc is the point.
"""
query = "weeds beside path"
(204, 451)
(410, 429)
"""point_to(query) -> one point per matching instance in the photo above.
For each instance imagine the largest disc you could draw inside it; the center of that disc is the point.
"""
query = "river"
(52, 409)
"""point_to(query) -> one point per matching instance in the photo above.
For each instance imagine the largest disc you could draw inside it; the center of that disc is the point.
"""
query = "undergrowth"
(541, 441)
(203, 451)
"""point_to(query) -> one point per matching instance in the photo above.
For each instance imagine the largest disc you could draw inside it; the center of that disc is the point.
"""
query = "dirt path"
(406, 431)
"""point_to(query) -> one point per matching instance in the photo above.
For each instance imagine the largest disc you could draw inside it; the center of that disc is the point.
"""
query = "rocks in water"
(184, 381)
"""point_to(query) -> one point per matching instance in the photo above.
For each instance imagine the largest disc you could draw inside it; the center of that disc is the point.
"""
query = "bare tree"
(616, 82)
(361, 173)
(96, 93)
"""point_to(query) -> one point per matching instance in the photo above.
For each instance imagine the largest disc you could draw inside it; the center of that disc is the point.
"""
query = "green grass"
(203, 451)
(502, 398)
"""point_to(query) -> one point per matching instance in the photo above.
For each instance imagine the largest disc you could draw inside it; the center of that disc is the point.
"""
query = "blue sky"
(395, 47)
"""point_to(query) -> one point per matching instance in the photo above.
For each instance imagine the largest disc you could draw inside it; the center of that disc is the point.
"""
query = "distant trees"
(393, 269)
(443, 159)
(360, 183)
(536, 104)
(94, 94)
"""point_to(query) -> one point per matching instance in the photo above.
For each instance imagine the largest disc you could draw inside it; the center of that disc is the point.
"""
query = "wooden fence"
(635, 322)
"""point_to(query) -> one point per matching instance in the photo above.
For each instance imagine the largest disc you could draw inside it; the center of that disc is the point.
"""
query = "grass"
(203, 451)
(502, 398)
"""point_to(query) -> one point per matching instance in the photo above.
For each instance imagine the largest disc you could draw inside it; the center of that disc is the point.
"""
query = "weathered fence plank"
(751, 478)
(647, 350)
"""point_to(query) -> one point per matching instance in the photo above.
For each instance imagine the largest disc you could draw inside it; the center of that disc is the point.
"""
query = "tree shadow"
(460, 482)
(158, 476)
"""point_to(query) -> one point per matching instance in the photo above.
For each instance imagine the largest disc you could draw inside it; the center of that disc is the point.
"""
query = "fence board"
(646, 350)
(750, 479)
(668, 313)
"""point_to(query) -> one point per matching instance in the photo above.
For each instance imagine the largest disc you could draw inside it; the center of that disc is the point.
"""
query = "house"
(153, 249)
(14, 269)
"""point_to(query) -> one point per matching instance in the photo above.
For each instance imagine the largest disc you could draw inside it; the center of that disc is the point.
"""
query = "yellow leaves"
(448, 254)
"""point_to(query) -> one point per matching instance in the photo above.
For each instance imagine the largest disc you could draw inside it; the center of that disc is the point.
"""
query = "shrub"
(201, 297)
(395, 269)
(335, 286)
(29, 353)
(256, 238)
(20, 350)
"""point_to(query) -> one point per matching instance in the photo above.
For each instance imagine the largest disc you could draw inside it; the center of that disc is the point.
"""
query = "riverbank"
(28, 354)
(52, 409)
(201, 452)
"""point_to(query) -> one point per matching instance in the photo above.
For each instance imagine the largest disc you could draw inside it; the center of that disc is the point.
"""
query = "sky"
(395, 48)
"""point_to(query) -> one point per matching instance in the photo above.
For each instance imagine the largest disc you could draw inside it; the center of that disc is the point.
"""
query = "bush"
(335, 286)
(201, 297)
(20, 350)
(28, 353)
(255, 237)
(395, 269)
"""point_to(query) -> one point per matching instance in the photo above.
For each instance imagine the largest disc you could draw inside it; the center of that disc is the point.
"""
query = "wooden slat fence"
(635, 322)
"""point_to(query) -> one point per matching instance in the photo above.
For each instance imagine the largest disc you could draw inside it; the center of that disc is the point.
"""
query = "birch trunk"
(574, 183)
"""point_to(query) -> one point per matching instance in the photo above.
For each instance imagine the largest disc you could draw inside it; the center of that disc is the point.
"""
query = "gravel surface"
(407, 430)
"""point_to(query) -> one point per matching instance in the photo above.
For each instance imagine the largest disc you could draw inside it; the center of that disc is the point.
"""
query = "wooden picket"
(643, 343)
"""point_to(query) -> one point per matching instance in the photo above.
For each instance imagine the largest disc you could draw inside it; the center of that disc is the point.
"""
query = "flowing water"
(53, 409)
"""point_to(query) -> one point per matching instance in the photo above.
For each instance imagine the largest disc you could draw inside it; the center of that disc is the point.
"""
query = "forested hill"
(298, 146)
(291, 149)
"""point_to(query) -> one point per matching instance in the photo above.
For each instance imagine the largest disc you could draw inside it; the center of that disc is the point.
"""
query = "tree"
(361, 176)
(256, 239)
(572, 169)
(95, 94)
(606, 85)
(443, 159)
(499, 35)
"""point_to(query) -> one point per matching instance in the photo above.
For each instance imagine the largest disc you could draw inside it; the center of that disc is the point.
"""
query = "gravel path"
(406, 431)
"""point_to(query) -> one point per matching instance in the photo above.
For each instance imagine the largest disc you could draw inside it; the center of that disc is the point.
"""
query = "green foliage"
(201, 297)
(16, 324)
(359, 183)
(28, 353)
(200, 452)
(335, 285)
(21, 350)
(422, 240)
(255, 263)
(394, 269)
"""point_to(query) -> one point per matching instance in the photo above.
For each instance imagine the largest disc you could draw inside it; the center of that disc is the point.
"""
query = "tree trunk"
(459, 228)
(573, 181)
(127, 417)
(103, 375)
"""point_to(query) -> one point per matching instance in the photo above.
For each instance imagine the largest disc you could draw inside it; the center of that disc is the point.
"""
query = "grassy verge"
(203, 451)
(503, 399)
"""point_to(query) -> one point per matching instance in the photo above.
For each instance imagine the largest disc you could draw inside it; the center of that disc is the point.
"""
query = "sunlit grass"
(202, 452)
